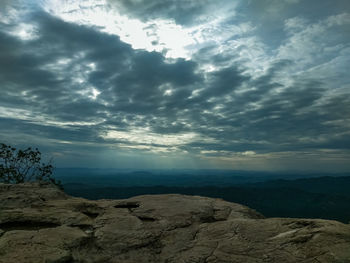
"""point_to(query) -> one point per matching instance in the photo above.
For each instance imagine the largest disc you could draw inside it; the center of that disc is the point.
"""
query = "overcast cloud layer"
(257, 85)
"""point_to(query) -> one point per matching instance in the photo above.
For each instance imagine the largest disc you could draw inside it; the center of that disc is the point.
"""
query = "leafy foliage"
(19, 166)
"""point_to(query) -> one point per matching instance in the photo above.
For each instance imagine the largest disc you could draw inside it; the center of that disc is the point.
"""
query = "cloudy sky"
(225, 84)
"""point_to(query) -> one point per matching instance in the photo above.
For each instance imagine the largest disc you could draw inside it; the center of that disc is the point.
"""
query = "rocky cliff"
(39, 223)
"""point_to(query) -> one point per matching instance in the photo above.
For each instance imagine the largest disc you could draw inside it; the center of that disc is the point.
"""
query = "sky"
(171, 84)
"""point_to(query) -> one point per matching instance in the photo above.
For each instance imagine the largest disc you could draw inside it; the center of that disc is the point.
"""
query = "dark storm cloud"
(20, 67)
(263, 120)
(129, 80)
(147, 71)
(224, 82)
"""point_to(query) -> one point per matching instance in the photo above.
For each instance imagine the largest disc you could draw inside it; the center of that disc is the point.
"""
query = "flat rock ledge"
(40, 223)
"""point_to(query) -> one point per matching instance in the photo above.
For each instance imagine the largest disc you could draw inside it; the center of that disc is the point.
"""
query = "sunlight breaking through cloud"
(156, 35)
(144, 136)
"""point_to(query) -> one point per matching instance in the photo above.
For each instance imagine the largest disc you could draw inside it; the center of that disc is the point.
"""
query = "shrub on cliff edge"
(19, 166)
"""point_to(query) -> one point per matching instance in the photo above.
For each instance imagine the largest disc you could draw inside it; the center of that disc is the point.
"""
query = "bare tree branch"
(18, 166)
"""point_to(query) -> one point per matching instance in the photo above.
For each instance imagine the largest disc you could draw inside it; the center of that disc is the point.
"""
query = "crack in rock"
(27, 225)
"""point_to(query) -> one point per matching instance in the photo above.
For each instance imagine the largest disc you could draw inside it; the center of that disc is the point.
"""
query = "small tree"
(19, 166)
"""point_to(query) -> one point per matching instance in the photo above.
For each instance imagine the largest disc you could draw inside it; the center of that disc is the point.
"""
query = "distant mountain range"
(175, 177)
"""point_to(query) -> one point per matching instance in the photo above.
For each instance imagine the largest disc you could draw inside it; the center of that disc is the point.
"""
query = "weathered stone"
(39, 223)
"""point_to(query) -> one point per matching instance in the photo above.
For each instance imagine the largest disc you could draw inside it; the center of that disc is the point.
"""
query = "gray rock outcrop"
(39, 223)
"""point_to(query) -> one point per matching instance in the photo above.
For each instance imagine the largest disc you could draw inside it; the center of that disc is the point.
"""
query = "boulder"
(40, 223)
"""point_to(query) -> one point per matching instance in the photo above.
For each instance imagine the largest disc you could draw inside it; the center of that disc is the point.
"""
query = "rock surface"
(39, 223)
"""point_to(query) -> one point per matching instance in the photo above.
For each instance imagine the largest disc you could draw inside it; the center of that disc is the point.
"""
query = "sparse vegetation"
(19, 166)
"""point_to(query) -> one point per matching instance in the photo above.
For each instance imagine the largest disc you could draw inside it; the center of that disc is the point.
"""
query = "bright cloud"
(144, 136)
(156, 35)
